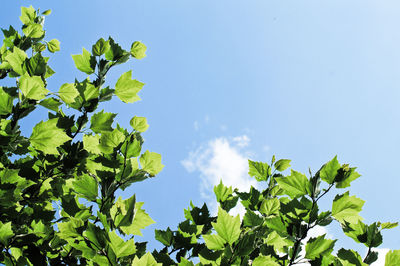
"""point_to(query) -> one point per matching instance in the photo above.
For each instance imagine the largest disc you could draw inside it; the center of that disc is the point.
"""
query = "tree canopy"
(58, 186)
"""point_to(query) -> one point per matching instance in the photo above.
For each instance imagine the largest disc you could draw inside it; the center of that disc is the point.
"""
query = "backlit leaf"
(346, 208)
(319, 246)
(139, 123)
(151, 162)
(46, 136)
(101, 122)
(6, 102)
(86, 186)
(329, 171)
(227, 227)
(121, 247)
(32, 87)
(282, 164)
(127, 88)
(214, 242)
(53, 45)
(84, 62)
(295, 185)
(138, 50)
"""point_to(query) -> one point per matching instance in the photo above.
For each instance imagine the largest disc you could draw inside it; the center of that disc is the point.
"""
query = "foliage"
(58, 187)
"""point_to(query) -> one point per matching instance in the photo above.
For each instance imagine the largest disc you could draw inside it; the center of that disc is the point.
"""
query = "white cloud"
(221, 159)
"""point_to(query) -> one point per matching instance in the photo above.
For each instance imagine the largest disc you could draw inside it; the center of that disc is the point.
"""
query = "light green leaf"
(46, 12)
(28, 14)
(138, 50)
(100, 47)
(101, 122)
(389, 225)
(282, 164)
(16, 59)
(278, 242)
(392, 258)
(86, 186)
(261, 171)
(46, 136)
(185, 262)
(146, 260)
(120, 247)
(110, 140)
(295, 185)
(140, 221)
(139, 123)
(53, 46)
(227, 227)
(68, 93)
(87, 90)
(6, 102)
(50, 103)
(91, 143)
(222, 192)
(214, 242)
(32, 87)
(33, 30)
(319, 246)
(127, 88)
(270, 207)
(84, 62)
(131, 148)
(6, 232)
(346, 208)
(329, 171)
(264, 261)
(151, 162)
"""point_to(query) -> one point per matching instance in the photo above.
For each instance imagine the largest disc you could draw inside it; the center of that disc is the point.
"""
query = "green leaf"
(33, 30)
(6, 232)
(16, 59)
(138, 50)
(6, 102)
(110, 140)
(260, 171)
(51, 103)
(53, 45)
(115, 52)
(100, 47)
(251, 219)
(389, 225)
(95, 235)
(346, 208)
(222, 192)
(392, 258)
(37, 65)
(165, 237)
(123, 210)
(270, 207)
(84, 62)
(101, 122)
(87, 90)
(46, 12)
(86, 186)
(282, 164)
(227, 227)
(146, 260)
(28, 14)
(319, 246)
(151, 162)
(295, 185)
(350, 257)
(127, 88)
(140, 221)
(139, 123)
(185, 262)
(46, 136)
(214, 242)
(131, 148)
(91, 143)
(120, 247)
(278, 242)
(264, 261)
(329, 171)
(32, 87)
(68, 93)
(346, 176)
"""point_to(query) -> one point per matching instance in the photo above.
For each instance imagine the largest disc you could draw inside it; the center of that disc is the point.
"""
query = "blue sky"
(304, 80)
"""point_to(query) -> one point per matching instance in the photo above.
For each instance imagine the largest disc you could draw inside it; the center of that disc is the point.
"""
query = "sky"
(232, 80)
